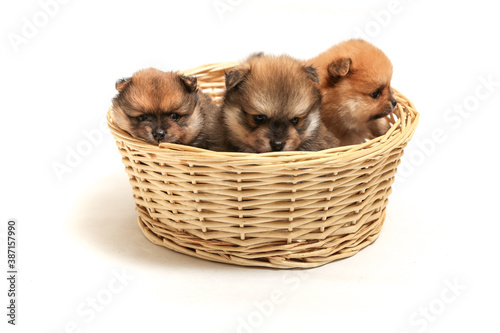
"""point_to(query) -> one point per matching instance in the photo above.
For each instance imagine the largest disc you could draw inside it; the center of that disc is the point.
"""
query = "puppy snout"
(159, 135)
(277, 145)
(394, 102)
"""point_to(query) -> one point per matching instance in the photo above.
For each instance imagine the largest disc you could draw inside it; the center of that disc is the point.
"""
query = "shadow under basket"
(280, 209)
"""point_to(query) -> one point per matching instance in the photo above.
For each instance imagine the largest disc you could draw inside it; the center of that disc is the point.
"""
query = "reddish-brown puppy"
(355, 83)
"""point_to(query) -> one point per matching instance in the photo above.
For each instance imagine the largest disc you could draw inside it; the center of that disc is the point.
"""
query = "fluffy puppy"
(272, 104)
(355, 82)
(158, 106)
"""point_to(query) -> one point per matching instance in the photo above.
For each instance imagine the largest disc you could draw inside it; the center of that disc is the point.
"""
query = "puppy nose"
(159, 135)
(277, 145)
(394, 102)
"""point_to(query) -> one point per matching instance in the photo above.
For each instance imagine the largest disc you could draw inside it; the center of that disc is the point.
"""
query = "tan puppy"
(272, 104)
(159, 106)
(355, 82)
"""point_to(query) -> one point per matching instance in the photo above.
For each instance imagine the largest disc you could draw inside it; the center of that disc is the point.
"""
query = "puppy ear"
(256, 55)
(339, 68)
(235, 77)
(311, 73)
(189, 82)
(122, 83)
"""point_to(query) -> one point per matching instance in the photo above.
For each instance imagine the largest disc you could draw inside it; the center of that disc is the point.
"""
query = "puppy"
(272, 104)
(355, 82)
(158, 106)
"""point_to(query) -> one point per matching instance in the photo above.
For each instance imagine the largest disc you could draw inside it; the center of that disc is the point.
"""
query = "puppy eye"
(175, 116)
(376, 94)
(295, 121)
(260, 118)
(142, 118)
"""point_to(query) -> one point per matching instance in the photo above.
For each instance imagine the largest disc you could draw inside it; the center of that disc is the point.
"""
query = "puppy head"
(271, 104)
(359, 83)
(158, 107)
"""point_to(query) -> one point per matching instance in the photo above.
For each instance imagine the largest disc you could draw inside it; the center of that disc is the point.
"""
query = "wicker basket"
(279, 209)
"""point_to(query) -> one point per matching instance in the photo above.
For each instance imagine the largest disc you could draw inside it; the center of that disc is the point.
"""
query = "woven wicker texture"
(279, 209)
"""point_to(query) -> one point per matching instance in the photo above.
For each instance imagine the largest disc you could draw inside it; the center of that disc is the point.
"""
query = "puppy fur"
(355, 82)
(158, 106)
(272, 104)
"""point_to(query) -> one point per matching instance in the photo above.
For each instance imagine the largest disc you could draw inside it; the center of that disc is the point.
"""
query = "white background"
(431, 270)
